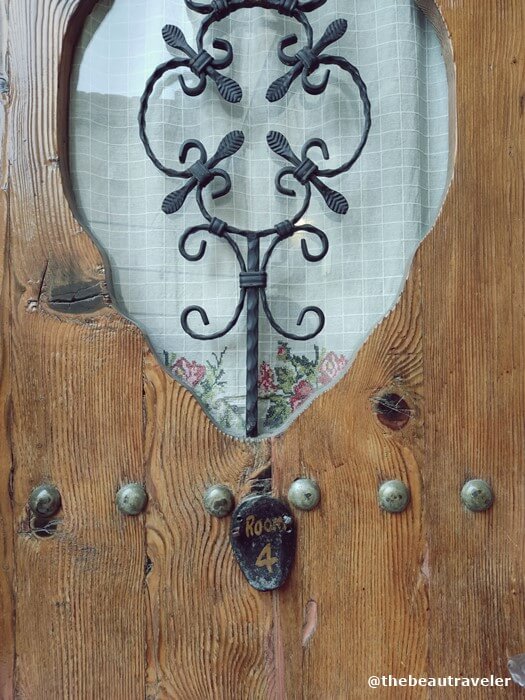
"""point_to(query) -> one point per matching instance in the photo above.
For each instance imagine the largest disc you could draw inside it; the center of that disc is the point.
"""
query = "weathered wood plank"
(209, 633)
(473, 300)
(79, 594)
(357, 602)
(441, 589)
(78, 390)
(7, 646)
(76, 417)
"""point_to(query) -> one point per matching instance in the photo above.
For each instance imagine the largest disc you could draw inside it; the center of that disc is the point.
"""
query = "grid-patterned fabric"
(394, 190)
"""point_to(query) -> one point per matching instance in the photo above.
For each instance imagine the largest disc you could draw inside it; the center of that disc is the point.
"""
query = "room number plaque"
(263, 539)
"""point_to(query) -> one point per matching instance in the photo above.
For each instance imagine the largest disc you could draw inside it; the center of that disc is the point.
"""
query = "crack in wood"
(79, 297)
(42, 279)
(310, 621)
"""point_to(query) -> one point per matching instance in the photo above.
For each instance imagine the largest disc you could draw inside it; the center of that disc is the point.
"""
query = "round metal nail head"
(131, 499)
(218, 501)
(45, 500)
(393, 496)
(477, 495)
(304, 494)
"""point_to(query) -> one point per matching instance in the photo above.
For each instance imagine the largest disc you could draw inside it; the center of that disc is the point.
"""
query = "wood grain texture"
(209, 632)
(155, 606)
(364, 569)
(7, 644)
(473, 302)
(437, 590)
(76, 410)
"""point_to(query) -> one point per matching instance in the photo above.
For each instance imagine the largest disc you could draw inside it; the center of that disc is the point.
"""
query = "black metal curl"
(221, 8)
(321, 320)
(205, 320)
(219, 229)
(192, 257)
(285, 230)
(253, 273)
(305, 62)
(367, 109)
(144, 103)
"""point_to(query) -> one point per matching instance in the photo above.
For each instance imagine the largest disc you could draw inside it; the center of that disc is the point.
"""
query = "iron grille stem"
(252, 341)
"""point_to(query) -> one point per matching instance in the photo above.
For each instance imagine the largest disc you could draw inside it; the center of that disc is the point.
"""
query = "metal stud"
(393, 496)
(218, 500)
(131, 499)
(45, 500)
(477, 495)
(304, 494)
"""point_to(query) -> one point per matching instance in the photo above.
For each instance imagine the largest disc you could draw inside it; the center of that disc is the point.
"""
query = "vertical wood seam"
(8, 603)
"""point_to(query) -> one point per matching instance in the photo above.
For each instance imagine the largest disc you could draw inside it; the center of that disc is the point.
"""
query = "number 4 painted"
(265, 558)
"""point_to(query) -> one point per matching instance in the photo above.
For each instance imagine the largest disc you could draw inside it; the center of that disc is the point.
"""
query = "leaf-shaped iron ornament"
(305, 62)
(305, 171)
(204, 65)
(203, 171)
(253, 272)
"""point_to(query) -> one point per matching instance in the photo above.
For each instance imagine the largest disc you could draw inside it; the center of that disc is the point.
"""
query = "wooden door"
(155, 606)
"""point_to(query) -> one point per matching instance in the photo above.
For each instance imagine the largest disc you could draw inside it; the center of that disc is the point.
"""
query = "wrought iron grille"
(253, 277)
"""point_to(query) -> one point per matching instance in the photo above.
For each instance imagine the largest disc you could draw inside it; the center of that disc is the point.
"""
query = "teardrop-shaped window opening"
(353, 271)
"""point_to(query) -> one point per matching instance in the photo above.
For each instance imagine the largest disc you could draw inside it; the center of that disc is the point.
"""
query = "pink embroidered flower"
(331, 366)
(266, 378)
(281, 350)
(190, 372)
(301, 392)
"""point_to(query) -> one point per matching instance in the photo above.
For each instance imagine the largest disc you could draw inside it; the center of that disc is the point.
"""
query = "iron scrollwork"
(204, 171)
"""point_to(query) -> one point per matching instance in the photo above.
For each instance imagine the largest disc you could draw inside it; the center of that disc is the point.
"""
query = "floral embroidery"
(283, 388)
(301, 391)
(189, 372)
(208, 384)
(266, 378)
(331, 366)
(297, 378)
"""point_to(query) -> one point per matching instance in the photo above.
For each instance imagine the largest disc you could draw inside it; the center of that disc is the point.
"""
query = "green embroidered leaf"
(278, 411)
(169, 358)
(205, 388)
(303, 364)
(286, 378)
